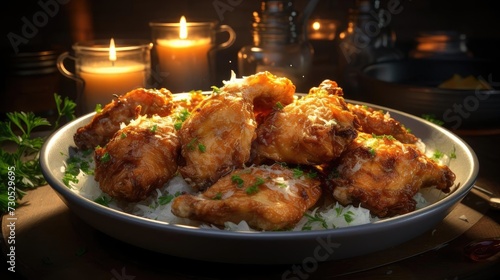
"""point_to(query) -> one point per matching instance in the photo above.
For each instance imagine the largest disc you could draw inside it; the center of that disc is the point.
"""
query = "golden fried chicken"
(266, 197)
(264, 90)
(217, 136)
(380, 123)
(382, 174)
(192, 100)
(140, 157)
(123, 109)
(315, 129)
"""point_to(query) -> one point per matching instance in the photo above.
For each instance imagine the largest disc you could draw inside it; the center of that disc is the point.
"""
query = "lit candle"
(184, 60)
(107, 77)
(322, 29)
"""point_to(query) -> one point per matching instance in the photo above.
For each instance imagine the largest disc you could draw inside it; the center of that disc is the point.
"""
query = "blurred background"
(50, 27)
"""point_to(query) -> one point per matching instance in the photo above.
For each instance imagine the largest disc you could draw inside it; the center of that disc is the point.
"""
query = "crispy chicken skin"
(313, 130)
(266, 197)
(217, 136)
(194, 98)
(138, 159)
(120, 110)
(380, 123)
(382, 174)
(264, 90)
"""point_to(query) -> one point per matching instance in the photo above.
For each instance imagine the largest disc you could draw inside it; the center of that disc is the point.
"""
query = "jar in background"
(441, 44)
(367, 39)
(280, 45)
(31, 80)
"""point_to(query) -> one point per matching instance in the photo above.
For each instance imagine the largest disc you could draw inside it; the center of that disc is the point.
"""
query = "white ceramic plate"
(266, 247)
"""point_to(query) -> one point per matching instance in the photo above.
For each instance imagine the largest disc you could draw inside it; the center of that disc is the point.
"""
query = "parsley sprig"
(21, 147)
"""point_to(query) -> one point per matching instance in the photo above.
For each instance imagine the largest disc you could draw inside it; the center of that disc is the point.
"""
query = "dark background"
(78, 20)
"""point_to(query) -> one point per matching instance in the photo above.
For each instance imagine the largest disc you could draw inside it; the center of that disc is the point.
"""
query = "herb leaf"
(17, 131)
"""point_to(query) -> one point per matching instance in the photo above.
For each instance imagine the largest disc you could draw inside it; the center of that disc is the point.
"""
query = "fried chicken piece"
(264, 90)
(266, 197)
(138, 159)
(380, 123)
(123, 109)
(193, 99)
(382, 174)
(313, 130)
(217, 136)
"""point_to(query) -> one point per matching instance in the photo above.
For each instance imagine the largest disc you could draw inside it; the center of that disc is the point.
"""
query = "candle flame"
(112, 50)
(316, 25)
(183, 28)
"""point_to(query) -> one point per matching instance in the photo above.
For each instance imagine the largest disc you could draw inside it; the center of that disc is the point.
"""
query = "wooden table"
(53, 243)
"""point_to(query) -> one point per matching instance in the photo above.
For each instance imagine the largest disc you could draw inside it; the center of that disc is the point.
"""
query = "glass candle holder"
(184, 51)
(104, 68)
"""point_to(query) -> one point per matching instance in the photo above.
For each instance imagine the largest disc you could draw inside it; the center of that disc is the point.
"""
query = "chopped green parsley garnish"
(98, 108)
(432, 119)
(154, 128)
(279, 106)
(194, 143)
(71, 173)
(348, 216)
(103, 200)
(312, 175)
(314, 219)
(106, 157)
(297, 173)
(388, 137)
(191, 143)
(123, 135)
(237, 180)
(215, 89)
(282, 185)
(201, 147)
(76, 164)
(437, 155)
(453, 154)
(218, 196)
(167, 198)
(254, 188)
(181, 117)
